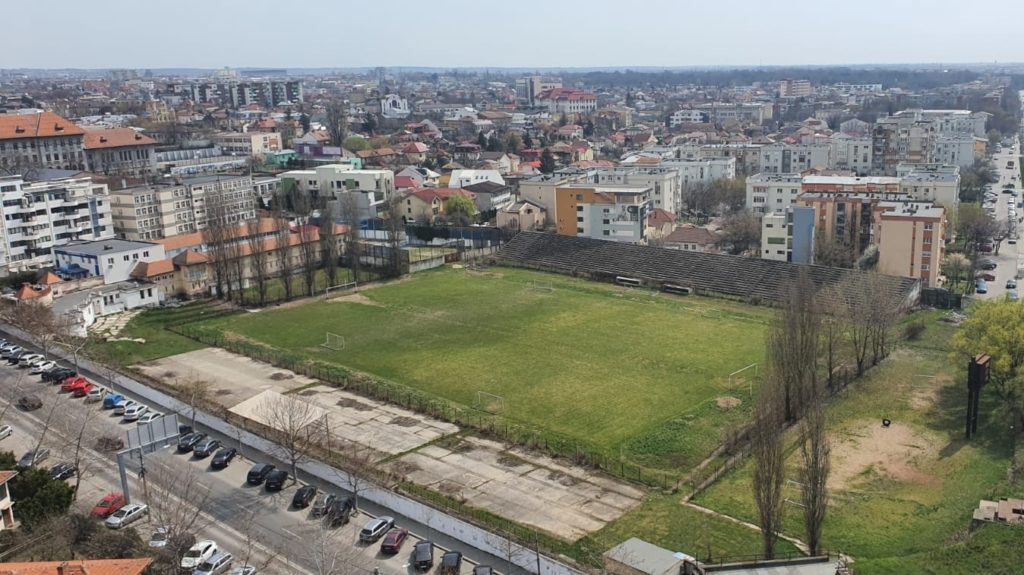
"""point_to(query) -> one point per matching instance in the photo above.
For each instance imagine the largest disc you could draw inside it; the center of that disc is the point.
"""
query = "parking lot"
(1004, 209)
(249, 521)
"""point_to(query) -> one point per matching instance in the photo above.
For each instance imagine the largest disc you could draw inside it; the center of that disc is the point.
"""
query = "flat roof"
(97, 247)
(198, 180)
(850, 180)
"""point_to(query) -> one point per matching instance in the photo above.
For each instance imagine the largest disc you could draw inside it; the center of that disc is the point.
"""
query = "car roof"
(204, 543)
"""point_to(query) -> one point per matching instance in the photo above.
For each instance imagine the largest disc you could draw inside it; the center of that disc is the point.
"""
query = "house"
(378, 157)
(660, 222)
(415, 152)
(490, 195)
(158, 272)
(463, 178)
(29, 293)
(522, 215)
(191, 273)
(466, 152)
(502, 162)
(423, 177)
(114, 260)
(569, 132)
(692, 238)
(424, 205)
(78, 567)
(6, 514)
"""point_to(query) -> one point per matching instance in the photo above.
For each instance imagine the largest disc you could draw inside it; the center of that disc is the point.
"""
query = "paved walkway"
(799, 544)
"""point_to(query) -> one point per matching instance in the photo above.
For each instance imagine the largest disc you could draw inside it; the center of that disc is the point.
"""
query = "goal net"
(340, 288)
(333, 341)
(743, 375)
(540, 286)
(489, 402)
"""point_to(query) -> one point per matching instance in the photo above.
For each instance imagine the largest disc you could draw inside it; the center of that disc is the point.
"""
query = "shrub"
(913, 330)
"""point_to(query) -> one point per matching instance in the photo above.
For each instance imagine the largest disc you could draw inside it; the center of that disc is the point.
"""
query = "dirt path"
(798, 543)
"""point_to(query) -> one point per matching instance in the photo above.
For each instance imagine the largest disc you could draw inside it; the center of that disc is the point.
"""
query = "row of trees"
(812, 338)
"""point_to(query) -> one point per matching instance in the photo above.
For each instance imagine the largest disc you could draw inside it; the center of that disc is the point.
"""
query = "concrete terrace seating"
(748, 279)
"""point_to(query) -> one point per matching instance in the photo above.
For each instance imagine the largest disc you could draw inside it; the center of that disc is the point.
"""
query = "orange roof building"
(78, 567)
(43, 140)
(120, 151)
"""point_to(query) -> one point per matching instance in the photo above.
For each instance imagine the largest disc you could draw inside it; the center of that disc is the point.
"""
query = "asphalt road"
(1009, 258)
(247, 521)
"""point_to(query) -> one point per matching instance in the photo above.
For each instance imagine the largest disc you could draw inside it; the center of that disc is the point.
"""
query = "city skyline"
(530, 34)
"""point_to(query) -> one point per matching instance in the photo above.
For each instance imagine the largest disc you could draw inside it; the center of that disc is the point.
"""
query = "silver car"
(126, 515)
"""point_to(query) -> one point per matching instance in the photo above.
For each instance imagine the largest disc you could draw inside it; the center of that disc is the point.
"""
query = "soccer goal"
(744, 374)
(334, 341)
(489, 402)
(339, 288)
(540, 286)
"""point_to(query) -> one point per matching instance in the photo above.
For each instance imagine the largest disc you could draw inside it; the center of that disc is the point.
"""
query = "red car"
(74, 383)
(393, 541)
(82, 390)
(110, 503)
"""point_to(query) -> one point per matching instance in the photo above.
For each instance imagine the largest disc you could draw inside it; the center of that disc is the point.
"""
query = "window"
(924, 267)
(579, 197)
(126, 257)
(927, 227)
(579, 219)
(145, 254)
(110, 261)
(579, 208)
(579, 230)
(607, 233)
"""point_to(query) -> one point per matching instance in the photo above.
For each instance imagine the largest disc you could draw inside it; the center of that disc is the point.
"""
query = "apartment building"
(664, 182)
(948, 122)
(790, 88)
(371, 189)
(700, 171)
(180, 207)
(49, 209)
(911, 240)
(850, 184)
(938, 183)
(850, 152)
(896, 140)
(529, 87)
(747, 156)
(788, 235)
(767, 193)
(256, 144)
(688, 116)
(615, 213)
(120, 152)
(959, 149)
(849, 218)
(788, 158)
(240, 94)
(43, 140)
(540, 190)
(738, 112)
(566, 101)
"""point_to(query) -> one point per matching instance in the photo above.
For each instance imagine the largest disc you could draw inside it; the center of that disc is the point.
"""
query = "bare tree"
(395, 227)
(881, 316)
(195, 392)
(309, 243)
(74, 428)
(176, 503)
(258, 258)
(359, 468)
(793, 345)
(350, 215)
(831, 334)
(336, 112)
(215, 236)
(769, 460)
(815, 454)
(285, 262)
(328, 555)
(236, 263)
(257, 551)
(329, 247)
(858, 304)
(290, 420)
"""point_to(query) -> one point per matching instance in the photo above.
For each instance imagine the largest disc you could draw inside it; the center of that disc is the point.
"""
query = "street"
(1009, 257)
(255, 525)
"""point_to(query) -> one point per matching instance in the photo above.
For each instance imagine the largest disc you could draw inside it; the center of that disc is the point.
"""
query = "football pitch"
(628, 371)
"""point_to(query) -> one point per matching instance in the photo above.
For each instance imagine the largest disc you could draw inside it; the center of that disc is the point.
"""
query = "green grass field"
(149, 326)
(622, 370)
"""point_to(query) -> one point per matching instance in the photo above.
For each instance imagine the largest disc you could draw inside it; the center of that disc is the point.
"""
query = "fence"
(486, 424)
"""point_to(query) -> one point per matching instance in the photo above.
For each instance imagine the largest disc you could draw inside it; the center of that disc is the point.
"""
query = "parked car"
(198, 554)
(1011, 284)
(987, 276)
(62, 471)
(158, 540)
(393, 541)
(215, 565)
(340, 511)
(980, 286)
(276, 480)
(222, 458)
(376, 528)
(451, 562)
(322, 504)
(206, 447)
(303, 496)
(987, 264)
(483, 570)
(82, 390)
(126, 515)
(33, 458)
(42, 367)
(986, 248)
(243, 570)
(29, 402)
(123, 405)
(14, 357)
(423, 555)
(188, 442)
(1012, 295)
(72, 383)
(58, 374)
(6, 431)
(26, 360)
(110, 503)
(148, 417)
(13, 351)
(259, 473)
(134, 412)
(111, 400)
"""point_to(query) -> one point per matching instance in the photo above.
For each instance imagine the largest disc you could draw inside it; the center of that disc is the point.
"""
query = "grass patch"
(625, 371)
(149, 325)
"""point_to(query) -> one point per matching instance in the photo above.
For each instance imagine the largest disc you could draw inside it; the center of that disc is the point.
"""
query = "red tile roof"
(85, 567)
(190, 258)
(692, 235)
(116, 138)
(44, 125)
(27, 292)
(402, 182)
(6, 476)
(659, 217)
(153, 269)
(565, 94)
(415, 148)
(49, 278)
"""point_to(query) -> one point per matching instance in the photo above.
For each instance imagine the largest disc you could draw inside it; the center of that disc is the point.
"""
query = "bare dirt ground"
(354, 298)
(564, 501)
(896, 452)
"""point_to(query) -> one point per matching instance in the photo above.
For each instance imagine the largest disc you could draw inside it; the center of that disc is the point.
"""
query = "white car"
(43, 366)
(6, 431)
(243, 570)
(134, 411)
(147, 417)
(27, 360)
(95, 394)
(198, 554)
(123, 405)
(126, 515)
(159, 538)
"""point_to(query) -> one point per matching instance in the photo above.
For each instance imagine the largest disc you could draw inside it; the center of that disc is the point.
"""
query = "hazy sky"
(509, 33)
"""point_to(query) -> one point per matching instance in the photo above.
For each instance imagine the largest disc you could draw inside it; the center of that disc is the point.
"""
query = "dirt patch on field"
(403, 421)
(354, 404)
(355, 298)
(281, 376)
(728, 403)
(894, 452)
(925, 394)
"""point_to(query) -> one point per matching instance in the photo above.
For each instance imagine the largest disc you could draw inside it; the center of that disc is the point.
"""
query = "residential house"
(423, 177)
(113, 259)
(569, 132)
(463, 178)
(522, 215)
(426, 204)
(43, 140)
(660, 223)
(78, 567)
(502, 162)
(490, 196)
(415, 152)
(693, 239)
(378, 156)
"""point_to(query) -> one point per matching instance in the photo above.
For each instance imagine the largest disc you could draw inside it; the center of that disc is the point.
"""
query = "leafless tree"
(350, 215)
(336, 113)
(74, 430)
(38, 321)
(881, 316)
(395, 227)
(309, 243)
(58, 405)
(857, 313)
(328, 555)
(176, 503)
(215, 236)
(259, 257)
(195, 392)
(329, 247)
(290, 420)
(815, 454)
(769, 460)
(257, 552)
(359, 463)
(793, 345)
(233, 241)
(285, 262)
(832, 329)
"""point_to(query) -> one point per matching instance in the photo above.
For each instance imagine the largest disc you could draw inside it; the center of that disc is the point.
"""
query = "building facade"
(615, 213)
(767, 193)
(43, 140)
(938, 183)
(789, 235)
(256, 144)
(788, 158)
(566, 101)
(370, 189)
(851, 153)
(912, 240)
(185, 206)
(112, 259)
(51, 210)
(121, 152)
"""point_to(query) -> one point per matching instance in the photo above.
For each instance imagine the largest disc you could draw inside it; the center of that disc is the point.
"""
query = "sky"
(509, 33)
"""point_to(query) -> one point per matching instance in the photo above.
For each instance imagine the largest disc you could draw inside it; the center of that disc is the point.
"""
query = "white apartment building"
(768, 193)
(774, 236)
(663, 181)
(851, 153)
(937, 183)
(738, 112)
(55, 208)
(788, 158)
(958, 149)
(255, 144)
(182, 207)
(463, 178)
(688, 116)
(790, 88)
(372, 188)
(614, 213)
(949, 121)
(700, 171)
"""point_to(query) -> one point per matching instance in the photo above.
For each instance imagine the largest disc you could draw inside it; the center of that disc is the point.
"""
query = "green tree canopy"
(355, 144)
(460, 210)
(996, 328)
(547, 162)
(37, 496)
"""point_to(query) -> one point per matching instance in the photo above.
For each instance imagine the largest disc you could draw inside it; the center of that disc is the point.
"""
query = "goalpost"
(333, 341)
(489, 402)
(535, 285)
(340, 287)
(743, 374)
